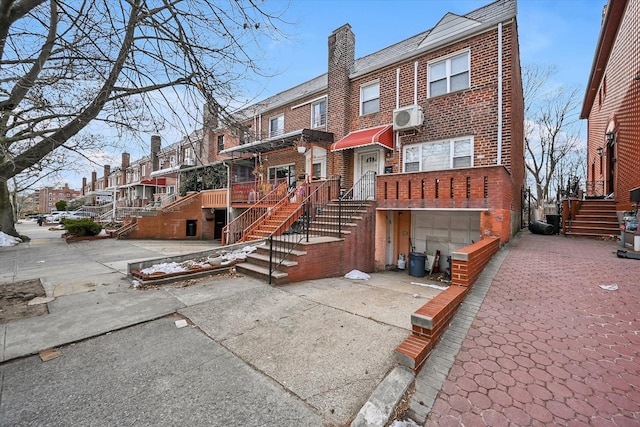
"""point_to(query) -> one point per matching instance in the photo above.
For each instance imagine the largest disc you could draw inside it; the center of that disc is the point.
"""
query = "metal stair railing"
(295, 228)
(237, 229)
(362, 191)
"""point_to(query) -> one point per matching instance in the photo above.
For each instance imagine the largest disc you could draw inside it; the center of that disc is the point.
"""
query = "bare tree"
(552, 130)
(66, 64)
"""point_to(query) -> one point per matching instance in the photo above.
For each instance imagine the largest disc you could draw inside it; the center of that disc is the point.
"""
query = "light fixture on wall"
(599, 151)
(301, 145)
(611, 137)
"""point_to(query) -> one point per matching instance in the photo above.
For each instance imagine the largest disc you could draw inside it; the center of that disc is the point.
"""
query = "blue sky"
(562, 33)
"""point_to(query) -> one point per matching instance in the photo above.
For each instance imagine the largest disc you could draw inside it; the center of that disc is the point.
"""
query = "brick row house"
(438, 118)
(433, 125)
(611, 107)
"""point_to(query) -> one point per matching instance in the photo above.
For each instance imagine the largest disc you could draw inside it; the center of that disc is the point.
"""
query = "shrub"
(81, 227)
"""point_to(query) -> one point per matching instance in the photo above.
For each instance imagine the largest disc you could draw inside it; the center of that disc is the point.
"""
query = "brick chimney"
(105, 178)
(126, 162)
(341, 56)
(210, 115)
(94, 179)
(84, 186)
(155, 150)
(342, 50)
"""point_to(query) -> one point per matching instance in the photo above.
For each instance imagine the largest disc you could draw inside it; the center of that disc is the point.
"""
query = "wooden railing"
(237, 229)
(252, 191)
(214, 198)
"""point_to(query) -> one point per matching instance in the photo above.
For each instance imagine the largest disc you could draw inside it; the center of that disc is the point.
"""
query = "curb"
(377, 411)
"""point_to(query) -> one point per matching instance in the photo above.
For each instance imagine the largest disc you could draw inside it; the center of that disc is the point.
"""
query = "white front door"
(368, 162)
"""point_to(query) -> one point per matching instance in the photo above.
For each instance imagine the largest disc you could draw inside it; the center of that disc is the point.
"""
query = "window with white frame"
(276, 126)
(319, 113)
(144, 171)
(449, 75)
(370, 98)
(438, 155)
(319, 167)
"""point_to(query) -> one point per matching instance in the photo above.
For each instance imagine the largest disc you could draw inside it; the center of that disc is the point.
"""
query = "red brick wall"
(467, 263)
(617, 105)
(173, 224)
(418, 190)
(339, 257)
(430, 321)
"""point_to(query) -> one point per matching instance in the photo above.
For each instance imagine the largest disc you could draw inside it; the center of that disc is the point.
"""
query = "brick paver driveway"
(549, 346)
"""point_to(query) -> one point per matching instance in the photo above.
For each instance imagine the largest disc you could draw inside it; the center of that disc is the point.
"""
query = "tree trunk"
(7, 224)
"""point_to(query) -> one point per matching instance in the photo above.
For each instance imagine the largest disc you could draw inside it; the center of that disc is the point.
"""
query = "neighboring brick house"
(438, 117)
(47, 197)
(611, 106)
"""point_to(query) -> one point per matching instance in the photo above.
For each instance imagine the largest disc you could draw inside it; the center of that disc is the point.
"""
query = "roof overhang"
(379, 135)
(280, 141)
(609, 30)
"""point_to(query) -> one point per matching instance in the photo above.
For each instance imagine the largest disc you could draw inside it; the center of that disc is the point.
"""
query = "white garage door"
(444, 231)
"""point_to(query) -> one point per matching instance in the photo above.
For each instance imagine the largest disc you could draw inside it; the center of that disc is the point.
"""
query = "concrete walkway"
(305, 354)
(548, 345)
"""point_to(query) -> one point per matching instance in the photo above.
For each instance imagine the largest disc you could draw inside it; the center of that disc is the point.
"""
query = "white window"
(172, 161)
(319, 167)
(144, 171)
(276, 126)
(438, 155)
(370, 98)
(449, 75)
(319, 114)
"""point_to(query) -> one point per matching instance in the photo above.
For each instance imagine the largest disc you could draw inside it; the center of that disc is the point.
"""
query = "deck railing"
(236, 229)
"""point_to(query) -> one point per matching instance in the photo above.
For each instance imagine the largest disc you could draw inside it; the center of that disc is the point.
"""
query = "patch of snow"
(429, 285)
(6, 240)
(408, 423)
(357, 275)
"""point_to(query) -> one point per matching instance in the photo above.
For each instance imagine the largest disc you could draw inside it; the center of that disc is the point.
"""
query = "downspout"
(499, 156)
(398, 106)
(397, 87)
(228, 167)
(415, 83)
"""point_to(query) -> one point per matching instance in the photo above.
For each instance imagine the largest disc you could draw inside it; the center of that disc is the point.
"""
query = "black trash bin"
(416, 264)
(555, 221)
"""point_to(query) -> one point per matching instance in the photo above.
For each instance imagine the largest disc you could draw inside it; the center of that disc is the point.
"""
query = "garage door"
(445, 231)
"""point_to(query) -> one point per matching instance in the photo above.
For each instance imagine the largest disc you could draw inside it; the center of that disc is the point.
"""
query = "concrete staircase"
(326, 223)
(257, 263)
(594, 218)
(322, 229)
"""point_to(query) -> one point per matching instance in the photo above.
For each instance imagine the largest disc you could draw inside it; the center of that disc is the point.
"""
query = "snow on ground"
(224, 258)
(6, 240)
(408, 423)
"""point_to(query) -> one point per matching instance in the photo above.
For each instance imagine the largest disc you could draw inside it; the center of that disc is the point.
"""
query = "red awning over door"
(380, 135)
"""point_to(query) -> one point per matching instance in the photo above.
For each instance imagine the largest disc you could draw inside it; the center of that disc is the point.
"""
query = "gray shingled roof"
(489, 14)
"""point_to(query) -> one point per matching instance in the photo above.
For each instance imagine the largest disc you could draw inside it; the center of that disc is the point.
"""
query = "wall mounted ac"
(189, 161)
(409, 117)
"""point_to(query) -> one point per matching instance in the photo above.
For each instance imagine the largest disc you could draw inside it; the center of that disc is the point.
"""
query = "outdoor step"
(593, 230)
(259, 271)
(586, 234)
(263, 260)
(324, 231)
(597, 212)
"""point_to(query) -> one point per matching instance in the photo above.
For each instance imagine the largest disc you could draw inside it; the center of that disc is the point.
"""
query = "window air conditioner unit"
(189, 161)
(409, 117)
